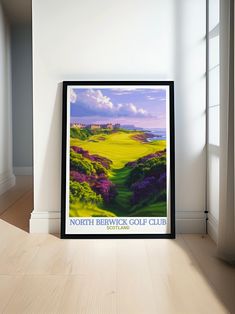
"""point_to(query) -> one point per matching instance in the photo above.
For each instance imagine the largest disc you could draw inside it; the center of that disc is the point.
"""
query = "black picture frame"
(170, 235)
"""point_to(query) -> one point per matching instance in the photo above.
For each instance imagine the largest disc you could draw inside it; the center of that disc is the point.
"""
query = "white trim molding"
(23, 171)
(49, 222)
(190, 222)
(7, 181)
(213, 227)
(45, 222)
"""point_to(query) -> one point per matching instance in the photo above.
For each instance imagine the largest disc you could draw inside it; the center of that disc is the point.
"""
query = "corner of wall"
(213, 227)
(7, 181)
(23, 171)
(7, 178)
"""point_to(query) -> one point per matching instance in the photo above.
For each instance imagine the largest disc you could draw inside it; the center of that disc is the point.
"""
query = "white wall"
(7, 179)
(190, 120)
(119, 40)
(22, 98)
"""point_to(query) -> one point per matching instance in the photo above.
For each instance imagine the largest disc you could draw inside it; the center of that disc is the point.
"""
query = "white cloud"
(73, 96)
(95, 102)
(122, 93)
(151, 98)
(130, 110)
(125, 89)
(95, 99)
(149, 92)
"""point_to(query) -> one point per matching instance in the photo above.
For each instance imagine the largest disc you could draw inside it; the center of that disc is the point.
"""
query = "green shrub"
(81, 192)
(99, 169)
(81, 134)
(151, 167)
(84, 134)
(81, 164)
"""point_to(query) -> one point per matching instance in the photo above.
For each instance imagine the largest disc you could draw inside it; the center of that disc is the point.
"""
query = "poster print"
(118, 160)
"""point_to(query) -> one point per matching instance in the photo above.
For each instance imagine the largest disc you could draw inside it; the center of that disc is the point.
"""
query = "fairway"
(119, 147)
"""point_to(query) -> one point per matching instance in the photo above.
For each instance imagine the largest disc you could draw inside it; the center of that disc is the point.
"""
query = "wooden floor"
(43, 274)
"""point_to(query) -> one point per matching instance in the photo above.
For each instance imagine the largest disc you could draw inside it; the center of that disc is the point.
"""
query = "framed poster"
(118, 160)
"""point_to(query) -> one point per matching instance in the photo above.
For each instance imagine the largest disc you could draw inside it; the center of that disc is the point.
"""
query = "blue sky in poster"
(142, 107)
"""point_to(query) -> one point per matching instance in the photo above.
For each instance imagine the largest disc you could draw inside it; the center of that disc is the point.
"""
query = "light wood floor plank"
(44, 274)
(134, 282)
(37, 294)
(220, 274)
(8, 286)
(17, 249)
(183, 280)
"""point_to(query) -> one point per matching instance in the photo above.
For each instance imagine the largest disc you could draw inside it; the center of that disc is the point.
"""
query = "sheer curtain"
(226, 234)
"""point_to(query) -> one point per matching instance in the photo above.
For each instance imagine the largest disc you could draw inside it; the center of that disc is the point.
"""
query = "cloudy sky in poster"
(142, 107)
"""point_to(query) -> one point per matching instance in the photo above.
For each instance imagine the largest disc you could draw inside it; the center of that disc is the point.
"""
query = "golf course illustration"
(117, 153)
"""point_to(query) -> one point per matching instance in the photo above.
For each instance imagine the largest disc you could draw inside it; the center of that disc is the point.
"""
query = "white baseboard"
(23, 171)
(190, 222)
(7, 181)
(213, 227)
(49, 222)
(45, 222)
